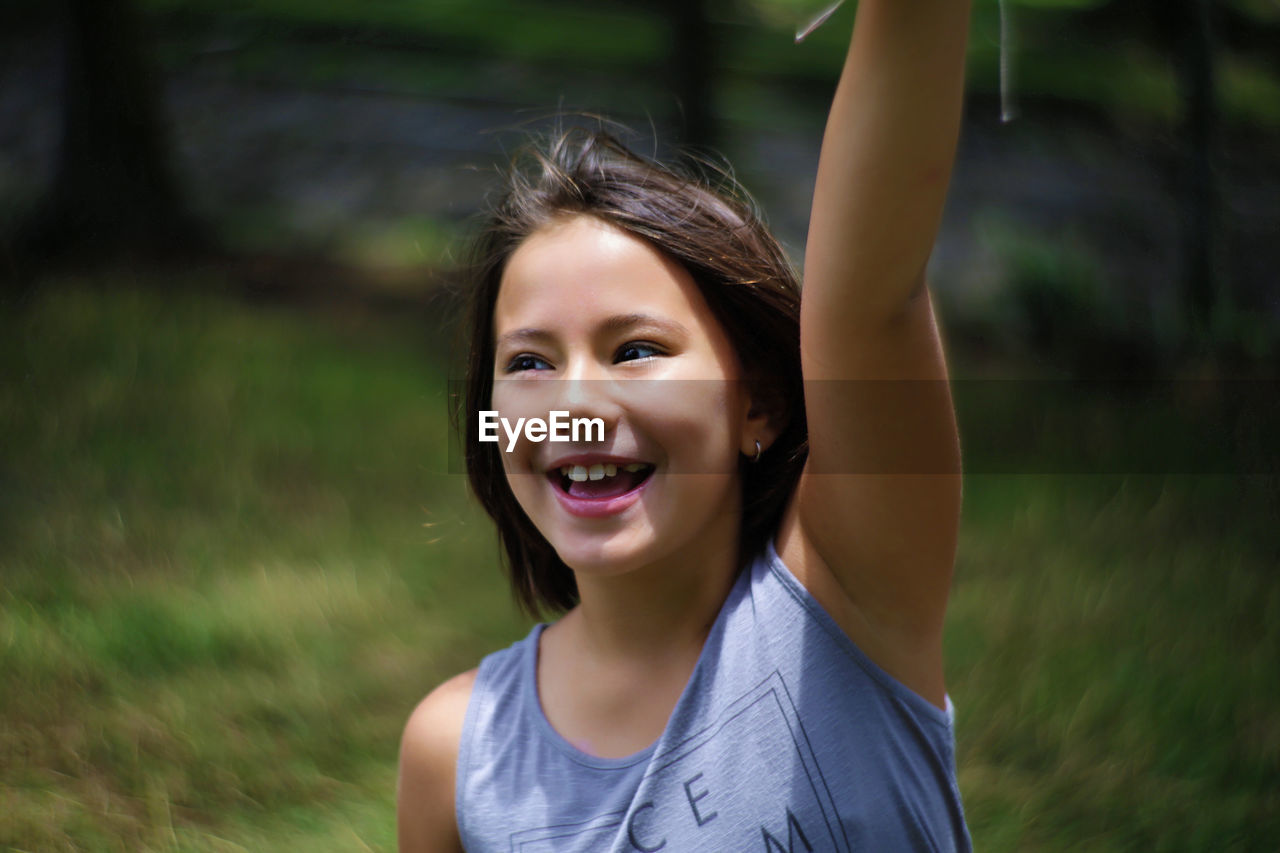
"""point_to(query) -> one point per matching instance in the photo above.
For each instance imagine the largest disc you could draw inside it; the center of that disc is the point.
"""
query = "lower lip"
(599, 507)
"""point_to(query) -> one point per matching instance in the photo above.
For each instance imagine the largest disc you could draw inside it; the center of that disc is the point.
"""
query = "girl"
(753, 573)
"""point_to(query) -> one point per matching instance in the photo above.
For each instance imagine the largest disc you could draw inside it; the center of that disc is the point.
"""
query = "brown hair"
(698, 215)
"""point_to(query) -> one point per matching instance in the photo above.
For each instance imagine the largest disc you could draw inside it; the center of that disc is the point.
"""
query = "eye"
(524, 361)
(636, 351)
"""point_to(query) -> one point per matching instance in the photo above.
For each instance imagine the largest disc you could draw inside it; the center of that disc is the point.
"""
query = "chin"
(604, 556)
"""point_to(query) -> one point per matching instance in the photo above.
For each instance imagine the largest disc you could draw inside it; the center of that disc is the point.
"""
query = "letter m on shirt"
(794, 831)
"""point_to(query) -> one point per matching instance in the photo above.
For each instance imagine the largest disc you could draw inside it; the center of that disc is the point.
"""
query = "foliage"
(1052, 298)
(1054, 52)
(575, 33)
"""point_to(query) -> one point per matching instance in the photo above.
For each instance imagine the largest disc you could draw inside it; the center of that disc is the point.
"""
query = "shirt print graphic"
(748, 781)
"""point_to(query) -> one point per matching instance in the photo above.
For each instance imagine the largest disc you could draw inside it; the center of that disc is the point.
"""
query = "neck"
(662, 611)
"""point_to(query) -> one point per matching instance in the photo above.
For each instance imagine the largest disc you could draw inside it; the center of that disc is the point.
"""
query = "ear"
(764, 419)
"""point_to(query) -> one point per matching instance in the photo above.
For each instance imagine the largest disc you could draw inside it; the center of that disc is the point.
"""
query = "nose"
(586, 390)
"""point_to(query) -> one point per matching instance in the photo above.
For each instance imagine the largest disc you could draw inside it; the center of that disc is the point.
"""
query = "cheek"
(516, 404)
(525, 486)
(699, 427)
(518, 466)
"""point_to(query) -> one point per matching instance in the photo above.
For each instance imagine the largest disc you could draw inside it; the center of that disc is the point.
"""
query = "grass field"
(231, 561)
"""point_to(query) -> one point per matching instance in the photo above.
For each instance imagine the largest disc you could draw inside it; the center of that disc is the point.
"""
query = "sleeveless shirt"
(786, 739)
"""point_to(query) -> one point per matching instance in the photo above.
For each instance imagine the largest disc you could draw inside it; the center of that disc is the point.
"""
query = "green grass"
(231, 562)
(1110, 645)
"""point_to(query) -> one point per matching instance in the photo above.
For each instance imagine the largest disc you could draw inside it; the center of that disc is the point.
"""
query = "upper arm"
(426, 822)
(878, 506)
(877, 509)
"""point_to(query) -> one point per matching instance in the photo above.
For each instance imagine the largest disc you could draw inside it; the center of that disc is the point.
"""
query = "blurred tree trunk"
(1194, 64)
(690, 65)
(114, 188)
(1183, 30)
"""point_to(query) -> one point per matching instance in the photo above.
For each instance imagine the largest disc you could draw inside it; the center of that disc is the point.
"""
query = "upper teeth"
(582, 473)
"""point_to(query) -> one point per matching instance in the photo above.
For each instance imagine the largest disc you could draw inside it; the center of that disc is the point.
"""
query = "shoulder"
(428, 759)
(436, 723)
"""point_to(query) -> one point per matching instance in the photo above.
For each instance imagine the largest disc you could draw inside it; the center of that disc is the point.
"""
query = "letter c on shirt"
(631, 832)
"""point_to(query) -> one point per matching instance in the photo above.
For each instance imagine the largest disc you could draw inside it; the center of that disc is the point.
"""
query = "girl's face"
(596, 322)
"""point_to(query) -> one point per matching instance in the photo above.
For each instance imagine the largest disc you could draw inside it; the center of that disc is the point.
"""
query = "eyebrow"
(616, 323)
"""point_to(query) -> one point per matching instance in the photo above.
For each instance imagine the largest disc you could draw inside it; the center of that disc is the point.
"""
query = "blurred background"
(232, 556)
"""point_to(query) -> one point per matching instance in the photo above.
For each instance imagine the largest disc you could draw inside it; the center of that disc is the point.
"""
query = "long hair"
(699, 216)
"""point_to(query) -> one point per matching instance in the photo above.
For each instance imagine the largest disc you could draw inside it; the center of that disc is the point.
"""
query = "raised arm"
(872, 531)
(886, 161)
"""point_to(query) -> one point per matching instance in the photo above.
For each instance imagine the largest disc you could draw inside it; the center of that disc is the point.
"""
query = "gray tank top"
(787, 739)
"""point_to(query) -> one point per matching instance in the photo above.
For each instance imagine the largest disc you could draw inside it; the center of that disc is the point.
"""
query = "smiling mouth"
(600, 481)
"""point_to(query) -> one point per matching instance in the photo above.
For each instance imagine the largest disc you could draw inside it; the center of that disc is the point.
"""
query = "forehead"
(577, 269)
